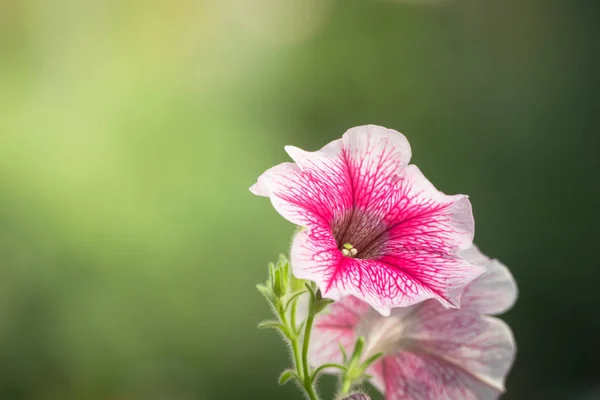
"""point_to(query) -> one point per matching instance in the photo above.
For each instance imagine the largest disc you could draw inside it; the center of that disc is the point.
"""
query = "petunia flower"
(376, 228)
(429, 352)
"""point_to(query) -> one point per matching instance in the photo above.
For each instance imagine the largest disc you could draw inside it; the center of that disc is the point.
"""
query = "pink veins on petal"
(430, 352)
(376, 228)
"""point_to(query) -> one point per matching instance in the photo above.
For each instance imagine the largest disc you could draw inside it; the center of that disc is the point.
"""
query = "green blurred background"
(130, 132)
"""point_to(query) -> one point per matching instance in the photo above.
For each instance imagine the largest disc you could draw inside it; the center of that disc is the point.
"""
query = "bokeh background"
(130, 132)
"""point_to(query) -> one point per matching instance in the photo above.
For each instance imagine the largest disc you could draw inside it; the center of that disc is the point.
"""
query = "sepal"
(286, 376)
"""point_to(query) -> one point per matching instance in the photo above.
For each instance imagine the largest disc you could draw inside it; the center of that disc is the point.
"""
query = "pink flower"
(430, 352)
(376, 228)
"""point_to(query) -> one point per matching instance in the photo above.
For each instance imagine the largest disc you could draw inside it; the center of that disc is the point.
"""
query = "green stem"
(346, 386)
(350, 375)
(295, 344)
(306, 375)
(300, 359)
(310, 391)
(297, 360)
(293, 338)
(307, 330)
(293, 313)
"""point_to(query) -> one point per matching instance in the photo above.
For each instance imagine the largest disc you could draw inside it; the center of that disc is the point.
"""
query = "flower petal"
(361, 189)
(335, 327)
(263, 185)
(380, 283)
(495, 291)
(359, 171)
(315, 257)
(425, 231)
(440, 276)
(459, 356)
(375, 157)
(305, 197)
(427, 218)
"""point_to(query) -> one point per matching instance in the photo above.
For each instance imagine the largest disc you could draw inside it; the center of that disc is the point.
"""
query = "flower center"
(359, 234)
(382, 334)
(348, 250)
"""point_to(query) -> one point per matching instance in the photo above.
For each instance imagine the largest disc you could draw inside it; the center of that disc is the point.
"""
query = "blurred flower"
(376, 228)
(429, 352)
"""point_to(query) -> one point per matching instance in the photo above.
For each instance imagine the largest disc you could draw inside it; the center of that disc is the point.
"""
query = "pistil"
(348, 250)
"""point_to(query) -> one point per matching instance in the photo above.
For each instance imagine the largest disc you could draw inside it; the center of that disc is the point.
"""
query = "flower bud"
(357, 396)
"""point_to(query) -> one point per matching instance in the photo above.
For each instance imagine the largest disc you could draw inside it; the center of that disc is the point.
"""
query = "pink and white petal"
(443, 276)
(425, 231)
(420, 376)
(473, 254)
(495, 291)
(262, 187)
(315, 257)
(427, 219)
(300, 196)
(336, 327)
(375, 158)
(362, 168)
(480, 347)
(327, 175)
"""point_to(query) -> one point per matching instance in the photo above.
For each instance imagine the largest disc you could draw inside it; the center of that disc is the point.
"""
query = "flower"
(376, 228)
(429, 352)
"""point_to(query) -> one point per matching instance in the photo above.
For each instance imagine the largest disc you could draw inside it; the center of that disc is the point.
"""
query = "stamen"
(348, 250)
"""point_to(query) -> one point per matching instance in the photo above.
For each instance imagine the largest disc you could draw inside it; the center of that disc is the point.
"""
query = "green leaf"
(283, 263)
(271, 275)
(265, 291)
(322, 367)
(363, 367)
(318, 295)
(286, 376)
(344, 354)
(278, 285)
(310, 288)
(284, 277)
(372, 359)
(358, 349)
(321, 305)
(271, 324)
(311, 291)
(293, 298)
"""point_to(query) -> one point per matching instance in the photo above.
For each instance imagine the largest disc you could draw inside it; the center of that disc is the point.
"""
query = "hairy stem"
(292, 337)
(346, 386)
(307, 330)
(308, 381)
(301, 357)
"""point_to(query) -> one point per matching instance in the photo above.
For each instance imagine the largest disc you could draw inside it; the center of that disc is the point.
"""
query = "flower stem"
(307, 330)
(308, 379)
(295, 344)
(297, 360)
(301, 357)
(310, 391)
(293, 313)
(346, 386)
(292, 337)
